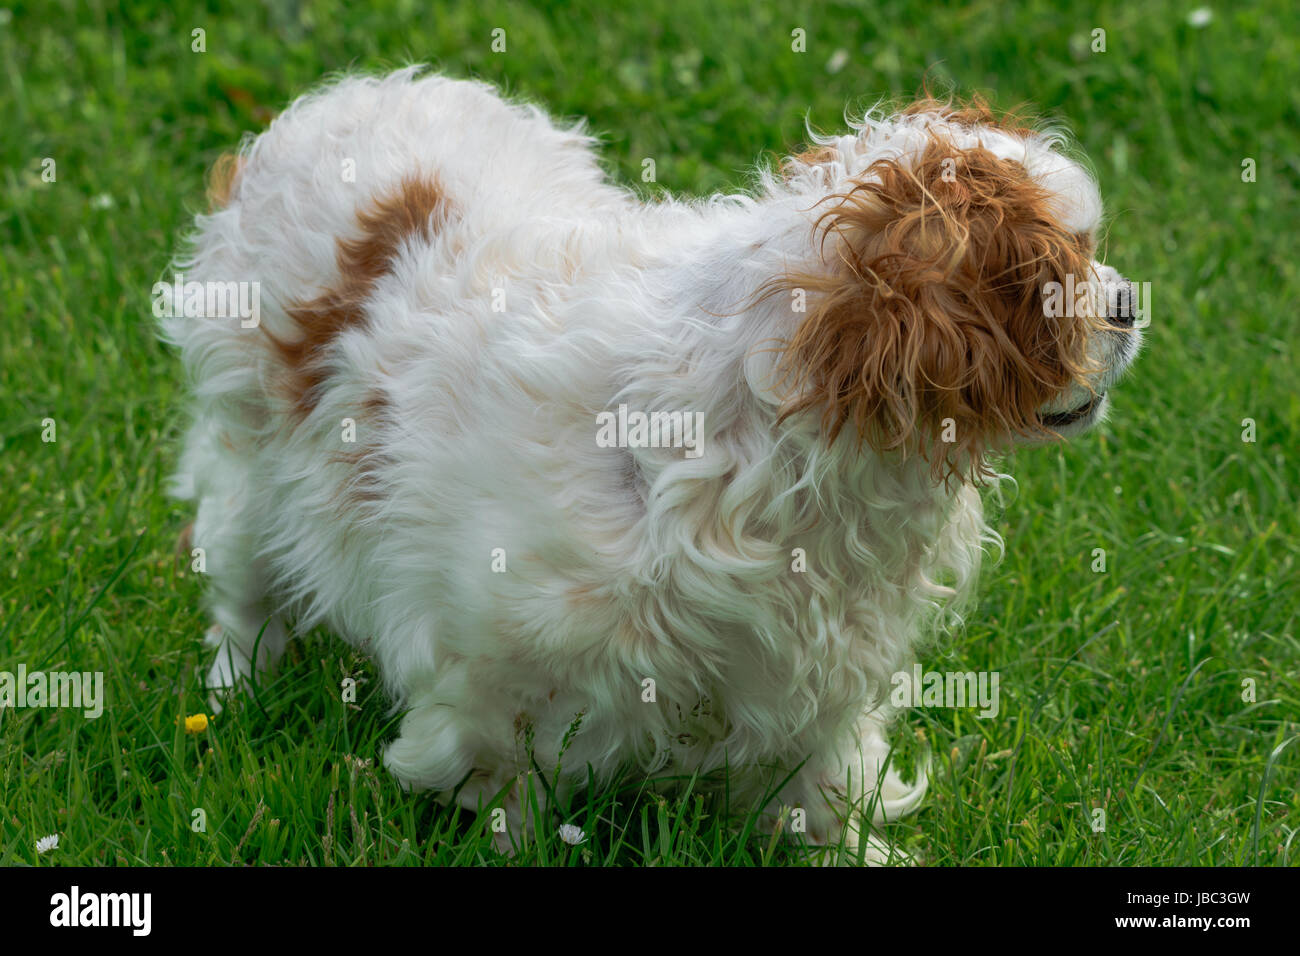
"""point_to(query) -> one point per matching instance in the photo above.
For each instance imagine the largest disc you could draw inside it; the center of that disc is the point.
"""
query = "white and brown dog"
(698, 476)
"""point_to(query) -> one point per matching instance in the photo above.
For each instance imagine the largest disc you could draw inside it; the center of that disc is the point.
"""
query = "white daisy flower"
(47, 843)
(1200, 17)
(571, 835)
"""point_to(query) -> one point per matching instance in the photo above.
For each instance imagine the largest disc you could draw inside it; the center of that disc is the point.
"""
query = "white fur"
(622, 564)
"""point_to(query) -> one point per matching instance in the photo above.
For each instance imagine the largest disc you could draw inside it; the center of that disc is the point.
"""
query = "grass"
(1160, 690)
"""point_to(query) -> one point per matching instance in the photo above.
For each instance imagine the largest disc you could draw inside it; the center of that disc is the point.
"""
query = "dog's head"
(954, 304)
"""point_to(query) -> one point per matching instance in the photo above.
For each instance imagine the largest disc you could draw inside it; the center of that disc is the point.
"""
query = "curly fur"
(480, 293)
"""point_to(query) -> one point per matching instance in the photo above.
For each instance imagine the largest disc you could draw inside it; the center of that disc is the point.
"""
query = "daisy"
(571, 835)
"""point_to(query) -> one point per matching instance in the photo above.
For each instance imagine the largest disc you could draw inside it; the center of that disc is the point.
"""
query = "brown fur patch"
(184, 542)
(813, 156)
(408, 213)
(976, 111)
(223, 180)
(928, 316)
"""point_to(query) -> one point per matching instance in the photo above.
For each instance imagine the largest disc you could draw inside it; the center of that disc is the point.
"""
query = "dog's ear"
(926, 330)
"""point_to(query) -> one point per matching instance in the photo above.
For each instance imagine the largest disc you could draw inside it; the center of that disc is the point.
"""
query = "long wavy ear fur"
(926, 331)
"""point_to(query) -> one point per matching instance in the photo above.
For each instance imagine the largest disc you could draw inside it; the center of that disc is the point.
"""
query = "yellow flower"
(196, 724)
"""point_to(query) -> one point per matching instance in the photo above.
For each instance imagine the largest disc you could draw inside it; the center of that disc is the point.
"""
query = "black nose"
(1121, 306)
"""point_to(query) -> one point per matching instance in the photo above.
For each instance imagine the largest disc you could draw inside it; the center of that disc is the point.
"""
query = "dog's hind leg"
(247, 635)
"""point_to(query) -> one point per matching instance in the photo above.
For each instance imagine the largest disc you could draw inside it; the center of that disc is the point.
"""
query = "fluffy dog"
(674, 486)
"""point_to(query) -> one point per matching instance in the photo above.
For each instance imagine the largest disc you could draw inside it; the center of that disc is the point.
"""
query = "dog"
(609, 484)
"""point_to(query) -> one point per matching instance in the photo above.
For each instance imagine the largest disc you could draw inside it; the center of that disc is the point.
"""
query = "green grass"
(1201, 530)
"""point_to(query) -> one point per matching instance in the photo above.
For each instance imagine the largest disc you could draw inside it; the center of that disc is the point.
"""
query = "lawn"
(1161, 691)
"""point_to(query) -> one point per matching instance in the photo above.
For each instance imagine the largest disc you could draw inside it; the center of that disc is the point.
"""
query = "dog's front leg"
(837, 802)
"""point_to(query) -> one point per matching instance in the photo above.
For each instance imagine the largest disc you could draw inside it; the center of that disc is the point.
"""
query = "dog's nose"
(1121, 306)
